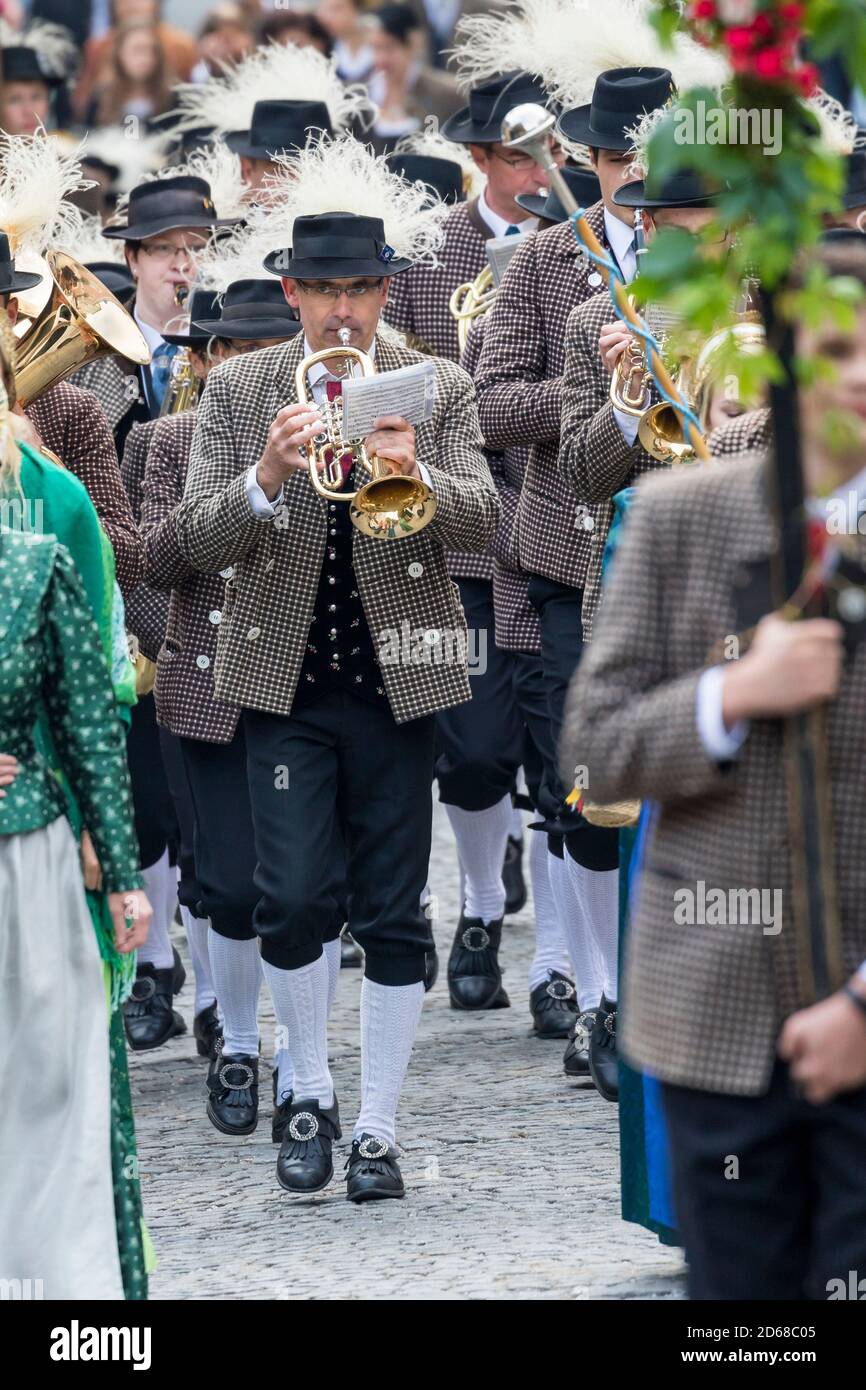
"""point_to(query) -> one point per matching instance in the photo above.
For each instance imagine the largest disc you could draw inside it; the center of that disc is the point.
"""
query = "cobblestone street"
(511, 1170)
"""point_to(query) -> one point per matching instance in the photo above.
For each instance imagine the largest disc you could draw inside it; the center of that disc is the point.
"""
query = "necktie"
(511, 230)
(160, 370)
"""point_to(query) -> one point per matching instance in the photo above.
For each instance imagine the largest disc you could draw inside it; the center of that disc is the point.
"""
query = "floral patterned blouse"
(50, 648)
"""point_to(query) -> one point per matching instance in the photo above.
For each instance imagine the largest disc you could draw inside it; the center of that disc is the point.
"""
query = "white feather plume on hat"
(220, 168)
(53, 45)
(567, 44)
(134, 157)
(273, 72)
(81, 237)
(431, 143)
(342, 175)
(237, 256)
(36, 178)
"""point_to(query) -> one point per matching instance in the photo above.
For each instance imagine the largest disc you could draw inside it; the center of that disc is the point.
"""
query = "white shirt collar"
(152, 336)
(320, 372)
(499, 225)
(621, 240)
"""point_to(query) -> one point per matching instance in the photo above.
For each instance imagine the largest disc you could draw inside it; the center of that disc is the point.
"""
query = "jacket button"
(588, 522)
(253, 633)
(227, 574)
(215, 616)
(269, 566)
(202, 662)
(416, 570)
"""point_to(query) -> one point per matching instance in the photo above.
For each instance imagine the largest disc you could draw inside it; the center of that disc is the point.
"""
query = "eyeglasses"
(521, 163)
(167, 251)
(326, 291)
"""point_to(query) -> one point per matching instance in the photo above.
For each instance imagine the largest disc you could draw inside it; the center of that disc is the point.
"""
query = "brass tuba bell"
(78, 322)
(390, 505)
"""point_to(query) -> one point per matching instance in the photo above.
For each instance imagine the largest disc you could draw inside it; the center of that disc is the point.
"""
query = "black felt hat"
(162, 205)
(584, 185)
(12, 280)
(855, 180)
(480, 123)
(251, 309)
(336, 245)
(620, 98)
(443, 176)
(278, 126)
(684, 188)
(201, 304)
(18, 63)
(114, 276)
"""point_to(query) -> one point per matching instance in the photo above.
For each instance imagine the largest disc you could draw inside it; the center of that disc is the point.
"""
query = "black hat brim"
(633, 195)
(188, 339)
(275, 327)
(460, 129)
(239, 143)
(170, 223)
(335, 269)
(21, 280)
(575, 125)
(855, 198)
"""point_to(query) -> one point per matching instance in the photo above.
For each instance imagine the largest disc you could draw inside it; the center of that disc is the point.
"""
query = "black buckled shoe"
(178, 979)
(148, 1016)
(474, 973)
(603, 1066)
(305, 1162)
(351, 955)
(372, 1171)
(280, 1117)
(431, 970)
(207, 1031)
(553, 1006)
(233, 1100)
(576, 1059)
(512, 876)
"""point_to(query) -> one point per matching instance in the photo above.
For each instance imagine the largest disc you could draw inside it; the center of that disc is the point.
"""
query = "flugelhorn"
(390, 505)
(183, 384)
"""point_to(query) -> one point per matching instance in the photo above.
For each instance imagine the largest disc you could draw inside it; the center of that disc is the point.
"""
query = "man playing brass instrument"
(338, 715)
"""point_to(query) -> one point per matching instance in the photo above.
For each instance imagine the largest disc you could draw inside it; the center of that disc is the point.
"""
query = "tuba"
(470, 300)
(390, 505)
(78, 322)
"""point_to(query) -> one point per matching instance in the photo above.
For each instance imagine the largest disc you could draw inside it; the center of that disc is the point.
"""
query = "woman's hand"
(131, 913)
(90, 865)
(9, 770)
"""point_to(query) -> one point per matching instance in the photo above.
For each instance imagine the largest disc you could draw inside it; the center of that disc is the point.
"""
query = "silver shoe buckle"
(475, 938)
(610, 1023)
(365, 1150)
(236, 1085)
(303, 1136)
(560, 989)
(143, 988)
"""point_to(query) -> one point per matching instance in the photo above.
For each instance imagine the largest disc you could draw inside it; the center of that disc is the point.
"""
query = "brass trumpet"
(470, 300)
(390, 505)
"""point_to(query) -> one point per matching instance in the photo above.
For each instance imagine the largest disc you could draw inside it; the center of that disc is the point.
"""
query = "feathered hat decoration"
(567, 46)
(133, 157)
(36, 178)
(272, 72)
(220, 168)
(53, 45)
(430, 142)
(81, 237)
(340, 174)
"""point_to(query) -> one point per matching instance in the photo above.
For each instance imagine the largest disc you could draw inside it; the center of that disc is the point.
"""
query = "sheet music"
(408, 391)
(499, 250)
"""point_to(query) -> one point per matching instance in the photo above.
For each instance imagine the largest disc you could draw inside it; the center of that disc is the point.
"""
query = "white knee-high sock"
(237, 976)
(598, 893)
(333, 953)
(551, 949)
(515, 830)
(197, 929)
(301, 1006)
(585, 956)
(160, 885)
(481, 838)
(389, 1021)
(282, 1057)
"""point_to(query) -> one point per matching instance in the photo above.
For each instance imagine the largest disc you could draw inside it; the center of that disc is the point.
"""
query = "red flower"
(739, 40)
(770, 64)
(762, 26)
(703, 9)
(792, 14)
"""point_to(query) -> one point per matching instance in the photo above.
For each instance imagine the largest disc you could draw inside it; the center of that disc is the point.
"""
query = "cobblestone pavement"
(511, 1170)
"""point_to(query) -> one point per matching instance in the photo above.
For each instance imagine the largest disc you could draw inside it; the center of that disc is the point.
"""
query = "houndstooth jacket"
(146, 607)
(184, 693)
(403, 584)
(595, 459)
(519, 384)
(72, 423)
(115, 382)
(704, 1004)
(744, 434)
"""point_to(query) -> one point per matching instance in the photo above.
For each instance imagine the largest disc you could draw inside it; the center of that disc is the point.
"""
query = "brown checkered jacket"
(72, 423)
(744, 434)
(595, 459)
(146, 607)
(184, 694)
(519, 384)
(704, 1004)
(277, 560)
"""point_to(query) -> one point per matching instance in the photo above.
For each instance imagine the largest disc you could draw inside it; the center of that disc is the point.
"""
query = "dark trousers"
(558, 608)
(155, 821)
(770, 1191)
(341, 767)
(479, 745)
(223, 847)
(188, 891)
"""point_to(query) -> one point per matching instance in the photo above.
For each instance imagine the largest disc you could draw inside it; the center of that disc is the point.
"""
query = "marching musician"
(723, 1015)
(339, 734)
(277, 128)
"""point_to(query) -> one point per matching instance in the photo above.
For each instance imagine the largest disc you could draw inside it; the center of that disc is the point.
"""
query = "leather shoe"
(233, 1102)
(431, 970)
(372, 1171)
(576, 1059)
(305, 1162)
(474, 974)
(179, 976)
(281, 1114)
(148, 1016)
(207, 1032)
(603, 1066)
(553, 1006)
(512, 876)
